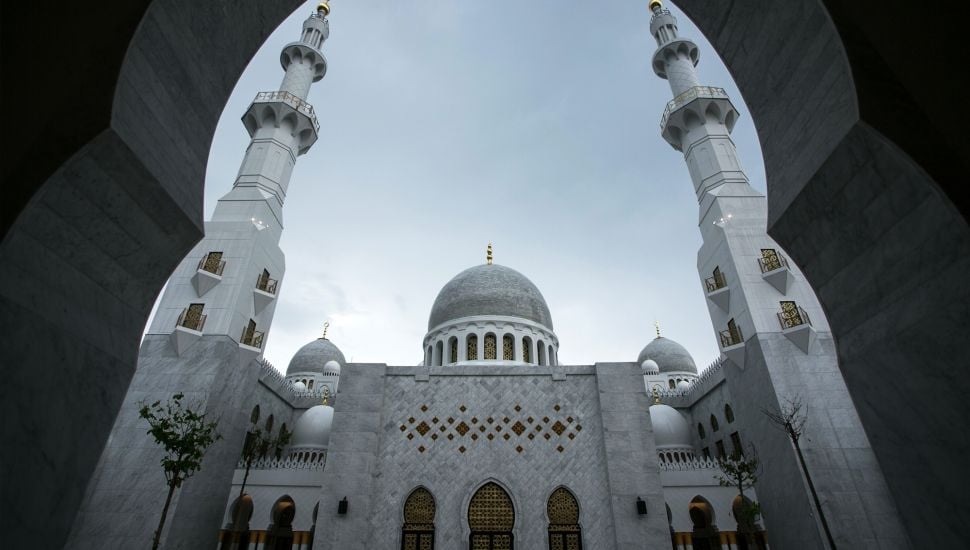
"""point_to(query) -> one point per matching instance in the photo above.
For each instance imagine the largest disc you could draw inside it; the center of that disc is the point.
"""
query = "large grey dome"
(490, 290)
(314, 356)
(669, 356)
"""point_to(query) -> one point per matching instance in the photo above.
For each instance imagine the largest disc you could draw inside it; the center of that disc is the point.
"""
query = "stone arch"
(279, 533)
(562, 512)
(705, 534)
(418, 513)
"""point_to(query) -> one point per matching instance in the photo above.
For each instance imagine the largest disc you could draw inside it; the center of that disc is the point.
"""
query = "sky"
(448, 124)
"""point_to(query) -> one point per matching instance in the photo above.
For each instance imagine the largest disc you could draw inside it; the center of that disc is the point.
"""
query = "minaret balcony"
(732, 343)
(272, 107)
(718, 290)
(188, 328)
(252, 339)
(693, 107)
(796, 325)
(775, 270)
(208, 273)
(264, 293)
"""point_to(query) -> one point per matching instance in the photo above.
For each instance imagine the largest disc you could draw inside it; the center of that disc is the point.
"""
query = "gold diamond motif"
(556, 408)
(434, 436)
(451, 420)
(572, 436)
(545, 419)
(462, 428)
(530, 420)
(411, 420)
(462, 408)
(421, 449)
(461, 449)
(518, 428)
(424, 408)
(558, 427)
(559, 448)
(518, 408)
(532, 436)
(474, 437)
(403, 428)
(410, 436)
(506, 420)
(423, 427)
(451, 436)
(518, 449)
(506, 437)
(434, 420)
(546, 435)
(490, 437)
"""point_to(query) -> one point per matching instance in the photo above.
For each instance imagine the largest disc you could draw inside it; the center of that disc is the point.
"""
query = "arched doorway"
(236, 534)
(705, 535)
(280, 531)
(491, 517)
(563, 512)
(417, 532)
(750, 534)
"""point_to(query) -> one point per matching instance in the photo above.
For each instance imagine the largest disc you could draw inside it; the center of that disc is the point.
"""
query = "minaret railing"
(792, 316)
(266, 284)
(715, 282)
(213, 263)
(691, 94)
(190, 320)
(292, 100)
(731, 337)
(770, 260)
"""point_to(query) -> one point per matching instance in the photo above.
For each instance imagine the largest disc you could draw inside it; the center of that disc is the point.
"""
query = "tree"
(791, 419)
(259, 444)
(742, 470)
(185, 435)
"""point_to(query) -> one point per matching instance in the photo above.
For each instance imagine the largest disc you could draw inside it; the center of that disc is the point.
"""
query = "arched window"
(254, 416)
(552, 355)
(671, 383)
(428, 357)
(563, 511)
(269, 424)
(453, 350)
(309, 385)
(471, 347)
(700, 430)
(491, 517)
(728, 413)
(240, 513)
(508, 347)
(438, 353)
(418, 530)
(491, 351)
(714, 425)
(527, 349)
(541, 348)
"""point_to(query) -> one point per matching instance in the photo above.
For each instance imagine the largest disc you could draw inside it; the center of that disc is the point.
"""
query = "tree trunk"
(811, 487)
(245, 477)
(161, 521)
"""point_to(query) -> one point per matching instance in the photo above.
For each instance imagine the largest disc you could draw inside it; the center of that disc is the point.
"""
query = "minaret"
(770, 328)
(212, 323)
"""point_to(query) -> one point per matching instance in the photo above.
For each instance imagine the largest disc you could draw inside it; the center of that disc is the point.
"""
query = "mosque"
(490, 442)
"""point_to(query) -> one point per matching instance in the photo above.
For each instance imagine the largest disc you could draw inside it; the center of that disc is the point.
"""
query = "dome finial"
(488, 254)
(326, 325)
(656, 325)
(655, 5)
(326, 396)
(324, 7)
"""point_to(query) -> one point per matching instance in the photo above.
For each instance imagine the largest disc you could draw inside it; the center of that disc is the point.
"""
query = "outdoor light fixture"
(342, 506)
(641, 507)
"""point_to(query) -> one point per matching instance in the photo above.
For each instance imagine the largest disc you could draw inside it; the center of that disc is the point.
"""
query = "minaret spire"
(282, 126)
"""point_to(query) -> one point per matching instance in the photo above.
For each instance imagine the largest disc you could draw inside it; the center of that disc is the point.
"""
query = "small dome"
(312, 430)
(331, 367)
(314, 356)
(299, 386)
(683, 385)
(669, 356)
(650, 367)
(490, 289)
(670, 428)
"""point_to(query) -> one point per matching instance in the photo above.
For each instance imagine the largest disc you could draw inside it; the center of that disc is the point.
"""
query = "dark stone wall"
(866, 163)
(103, 197)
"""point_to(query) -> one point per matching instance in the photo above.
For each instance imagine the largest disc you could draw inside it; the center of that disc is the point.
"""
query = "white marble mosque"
(490, 442)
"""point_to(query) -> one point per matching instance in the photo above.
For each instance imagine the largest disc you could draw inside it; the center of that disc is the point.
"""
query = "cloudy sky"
(446, 124)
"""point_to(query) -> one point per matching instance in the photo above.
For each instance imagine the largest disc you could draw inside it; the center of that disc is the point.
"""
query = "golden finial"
(655, 5)
(656, 396)
(324, 7)
(326, 325)
(656, 325)
(488, 254)
(326, 396)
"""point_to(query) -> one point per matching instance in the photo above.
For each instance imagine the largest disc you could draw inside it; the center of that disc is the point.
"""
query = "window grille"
(563, 511)
(418, 530)
(508, 347)
(471, 347)
(491, 517)
(490, 347)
